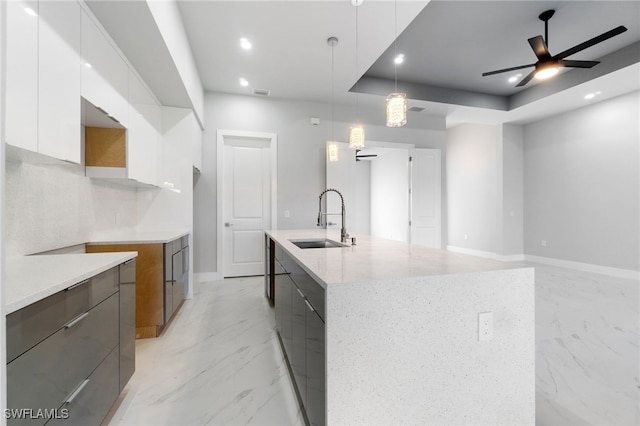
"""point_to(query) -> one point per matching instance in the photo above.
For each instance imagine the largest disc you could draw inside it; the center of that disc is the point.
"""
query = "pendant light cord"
(395, 44)
(357, 73)
(332, 100)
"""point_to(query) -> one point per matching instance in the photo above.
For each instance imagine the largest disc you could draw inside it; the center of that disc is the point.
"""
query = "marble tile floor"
(220, 363)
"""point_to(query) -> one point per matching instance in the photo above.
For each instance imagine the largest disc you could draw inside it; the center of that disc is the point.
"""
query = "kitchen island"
(412, 335)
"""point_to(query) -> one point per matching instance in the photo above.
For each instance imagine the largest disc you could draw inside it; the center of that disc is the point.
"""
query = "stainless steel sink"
(317, 243)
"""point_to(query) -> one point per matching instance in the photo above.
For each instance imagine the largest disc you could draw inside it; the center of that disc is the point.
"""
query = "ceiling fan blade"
(598, 39)
(578, 64)
(526, 79)
(539, 47)
(484, 74)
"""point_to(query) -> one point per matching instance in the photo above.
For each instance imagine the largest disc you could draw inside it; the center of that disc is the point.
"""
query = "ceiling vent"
(261, 92)
(416, 109)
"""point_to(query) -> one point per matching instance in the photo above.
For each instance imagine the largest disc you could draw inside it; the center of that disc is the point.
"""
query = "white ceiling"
(448, 44)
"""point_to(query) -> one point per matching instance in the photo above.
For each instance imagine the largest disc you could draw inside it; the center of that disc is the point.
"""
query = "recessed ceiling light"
(514, 78)
(245, 43)
(244, 82)
(399, 59)
(30, 11)
(87, 64)
(592, 95)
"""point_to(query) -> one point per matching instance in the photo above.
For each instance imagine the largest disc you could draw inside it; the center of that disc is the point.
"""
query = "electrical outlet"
(286, 213)
(466, 237)
(543, 243)
(485, 326)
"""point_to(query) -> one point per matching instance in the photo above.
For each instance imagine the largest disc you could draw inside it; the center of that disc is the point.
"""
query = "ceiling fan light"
(356, 137)
(547, 72)
(396, 110)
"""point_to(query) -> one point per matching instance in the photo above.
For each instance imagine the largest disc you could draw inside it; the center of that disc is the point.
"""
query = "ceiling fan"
(547, 65)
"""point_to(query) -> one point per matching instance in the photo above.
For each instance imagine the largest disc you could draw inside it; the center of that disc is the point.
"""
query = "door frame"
(273, 148)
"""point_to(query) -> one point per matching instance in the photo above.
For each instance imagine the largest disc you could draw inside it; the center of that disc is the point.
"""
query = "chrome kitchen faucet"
(343, 231)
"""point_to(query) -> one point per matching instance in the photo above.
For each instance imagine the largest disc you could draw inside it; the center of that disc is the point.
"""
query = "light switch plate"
(485, 326)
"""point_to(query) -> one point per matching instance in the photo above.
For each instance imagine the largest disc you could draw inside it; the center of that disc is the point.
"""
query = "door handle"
(228, 224)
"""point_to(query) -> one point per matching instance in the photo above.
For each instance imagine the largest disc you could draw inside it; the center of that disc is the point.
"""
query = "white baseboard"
(202, 277)
(587, 267)
(488, 254)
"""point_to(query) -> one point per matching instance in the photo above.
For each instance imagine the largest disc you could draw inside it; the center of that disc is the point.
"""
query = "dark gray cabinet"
(300, 310)
(127, 322)
(65, 352)
(176, 254)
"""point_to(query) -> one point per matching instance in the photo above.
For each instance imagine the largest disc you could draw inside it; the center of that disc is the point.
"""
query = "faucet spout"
(343, 231)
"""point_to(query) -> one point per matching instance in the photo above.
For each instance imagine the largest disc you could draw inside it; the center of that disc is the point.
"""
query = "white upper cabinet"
(59, 129)
(144, 143)
(105, 75)
(22, 74)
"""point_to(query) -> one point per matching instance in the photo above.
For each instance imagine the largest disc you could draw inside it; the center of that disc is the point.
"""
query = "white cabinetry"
(22, 74)
(105, 75)
(144, 141)
(59, 80)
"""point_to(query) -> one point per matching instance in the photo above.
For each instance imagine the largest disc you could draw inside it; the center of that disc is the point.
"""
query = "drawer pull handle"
(76, 320)
(300, 293)
(129, 261)
(76, 392)
(309, 305)
(78, 284)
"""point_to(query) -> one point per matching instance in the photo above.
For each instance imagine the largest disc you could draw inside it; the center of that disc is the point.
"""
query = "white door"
(425, 197)
(246, 203)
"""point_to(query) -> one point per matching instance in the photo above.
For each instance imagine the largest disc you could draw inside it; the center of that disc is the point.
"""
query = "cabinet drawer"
(93, 400)
(32, 324)
(46, 375)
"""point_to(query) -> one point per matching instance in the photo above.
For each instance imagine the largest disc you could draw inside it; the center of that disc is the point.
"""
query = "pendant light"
(356, 133)
(332, 147)
(396, 103)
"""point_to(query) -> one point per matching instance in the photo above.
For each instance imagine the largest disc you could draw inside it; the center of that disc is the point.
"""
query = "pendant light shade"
(396, 105)
(356, 137)
(396, 109)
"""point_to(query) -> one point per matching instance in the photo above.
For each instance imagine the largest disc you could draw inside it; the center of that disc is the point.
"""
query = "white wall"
(169, 22)
(510, 187)
(582, 185)
(301, 155)
(471, 186)
(3, 373)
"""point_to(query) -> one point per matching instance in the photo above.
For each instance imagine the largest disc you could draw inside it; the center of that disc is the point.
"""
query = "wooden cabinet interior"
(149, 285)
(105, 147)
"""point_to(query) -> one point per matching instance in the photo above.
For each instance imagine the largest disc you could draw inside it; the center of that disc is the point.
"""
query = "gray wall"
(471, 186)
(301, 155)
(582, 184)
(510, 209)
(485, 188)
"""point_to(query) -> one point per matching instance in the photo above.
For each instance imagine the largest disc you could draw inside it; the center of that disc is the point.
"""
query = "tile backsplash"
(50, 205)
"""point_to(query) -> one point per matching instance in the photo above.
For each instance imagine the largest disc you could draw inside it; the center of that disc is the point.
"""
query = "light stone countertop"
(377, 258)
(29, 279)
(137, 237)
